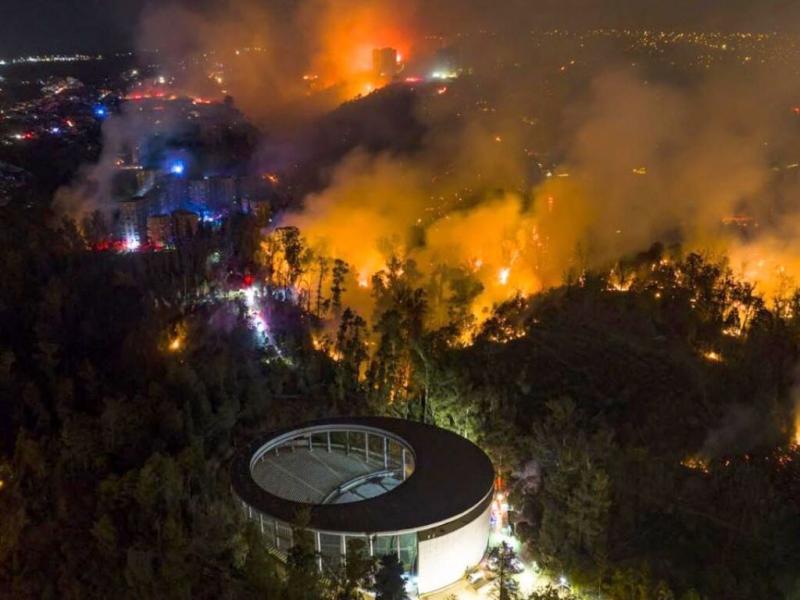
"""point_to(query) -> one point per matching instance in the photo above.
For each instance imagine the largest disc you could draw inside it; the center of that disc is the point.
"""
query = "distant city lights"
(50, 58)
(444, 75)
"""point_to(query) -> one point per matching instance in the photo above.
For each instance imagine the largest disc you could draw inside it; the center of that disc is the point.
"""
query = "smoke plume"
(641, 160)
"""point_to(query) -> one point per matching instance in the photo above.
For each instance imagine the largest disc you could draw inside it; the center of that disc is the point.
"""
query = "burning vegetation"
(496, 271)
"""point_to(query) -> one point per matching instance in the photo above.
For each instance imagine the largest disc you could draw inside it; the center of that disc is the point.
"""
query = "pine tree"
(503, 564)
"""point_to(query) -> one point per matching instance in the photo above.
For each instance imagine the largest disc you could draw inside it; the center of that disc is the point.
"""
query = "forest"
(643, 417)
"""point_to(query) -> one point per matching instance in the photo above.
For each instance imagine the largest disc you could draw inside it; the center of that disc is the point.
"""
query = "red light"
(248, 280)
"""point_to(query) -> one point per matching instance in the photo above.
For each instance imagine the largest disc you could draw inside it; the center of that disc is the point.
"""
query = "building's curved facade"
(391, 485)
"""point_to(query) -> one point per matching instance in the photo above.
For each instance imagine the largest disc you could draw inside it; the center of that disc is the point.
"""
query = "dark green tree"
(303, 580)
(356, 574)
(351, 348)
(338, 274)
(389, 581)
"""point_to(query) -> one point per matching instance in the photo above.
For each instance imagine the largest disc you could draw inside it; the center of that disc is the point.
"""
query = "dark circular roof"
(451, 476)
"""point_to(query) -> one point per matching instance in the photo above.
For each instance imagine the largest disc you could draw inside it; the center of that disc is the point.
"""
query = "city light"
(132, 243)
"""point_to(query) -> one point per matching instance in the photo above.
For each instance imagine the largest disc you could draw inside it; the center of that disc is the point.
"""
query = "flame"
(696, 463)
(177, 339)
(346, 39)
(503, 275)
(796, 435)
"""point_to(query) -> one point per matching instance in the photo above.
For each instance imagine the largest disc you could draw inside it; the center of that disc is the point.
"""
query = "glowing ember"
(177, 339)
(712, 356)
(696, 463)
(318, 343)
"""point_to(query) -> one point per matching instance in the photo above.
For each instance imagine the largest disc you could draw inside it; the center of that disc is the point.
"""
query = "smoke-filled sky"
(649, 158)
(48, 25)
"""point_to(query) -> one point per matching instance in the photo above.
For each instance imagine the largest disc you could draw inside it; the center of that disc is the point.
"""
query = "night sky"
(66, 25)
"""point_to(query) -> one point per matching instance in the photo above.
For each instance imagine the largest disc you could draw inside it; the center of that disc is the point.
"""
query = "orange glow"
(696, 463)
(502, 277)
(348, 37)
(796, 433)
(177, 339)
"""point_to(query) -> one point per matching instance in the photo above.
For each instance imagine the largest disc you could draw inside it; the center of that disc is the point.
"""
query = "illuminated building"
(399, 487)
(222, 192)
(174, 192)
(215, 193)
(132, 218)
(384, 63)
(185, 224)
(159, 230)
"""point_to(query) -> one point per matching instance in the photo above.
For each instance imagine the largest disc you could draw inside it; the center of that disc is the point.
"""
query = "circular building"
(396, 486)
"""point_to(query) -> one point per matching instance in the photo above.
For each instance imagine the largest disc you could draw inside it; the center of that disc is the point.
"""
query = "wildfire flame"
(696, 463)
(177, 339)
(796, 436)
(503, 276)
